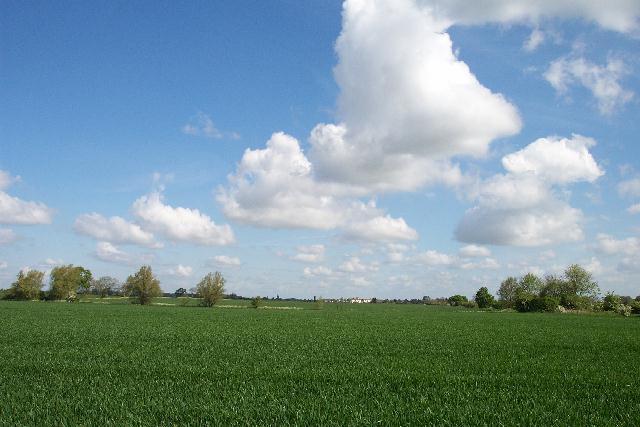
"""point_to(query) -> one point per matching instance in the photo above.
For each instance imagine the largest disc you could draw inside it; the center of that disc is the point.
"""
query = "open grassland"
(116, 364)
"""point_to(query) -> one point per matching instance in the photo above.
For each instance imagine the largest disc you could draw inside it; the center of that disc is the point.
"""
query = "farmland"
(115, 364)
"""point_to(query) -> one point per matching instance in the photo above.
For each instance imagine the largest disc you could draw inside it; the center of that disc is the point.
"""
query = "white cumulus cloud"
(312, 253)
(181, 271)
(108, 252)
(226, 261)
(17, 211)
(178, 223)
(114, 230)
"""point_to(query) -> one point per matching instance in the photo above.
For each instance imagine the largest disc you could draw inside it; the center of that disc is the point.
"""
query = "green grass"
(120, 364)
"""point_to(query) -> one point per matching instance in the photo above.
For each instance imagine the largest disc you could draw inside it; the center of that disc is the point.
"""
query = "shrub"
(318, 304)
(575, 302)
(143, 286)
(635, 307)
(611, 302)
(548, 304)
(623, 309)
(211, 289)
(257, 302)
(470, 304)
(523, 302)
(457, 300)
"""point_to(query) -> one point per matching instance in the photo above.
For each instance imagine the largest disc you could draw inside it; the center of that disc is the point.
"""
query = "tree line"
(575, 289)
(67, 282)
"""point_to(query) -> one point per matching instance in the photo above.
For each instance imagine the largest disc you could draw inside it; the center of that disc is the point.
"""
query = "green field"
(121, 364)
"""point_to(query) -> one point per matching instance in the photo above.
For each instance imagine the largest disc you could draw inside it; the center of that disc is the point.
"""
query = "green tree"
(555, 287)
(27, 285)
(67, 281)
(580, 282)
(531, 284)
(211, 289)
(483, 298)
(143, 286)
(104, 285)
(508, 291)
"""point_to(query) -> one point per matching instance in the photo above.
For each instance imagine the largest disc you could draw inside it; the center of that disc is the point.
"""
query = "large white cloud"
(611, 246)
(276, 187)
(406, 102)
(17, 211)
(521, 208)
(178, 223)
(114, 230)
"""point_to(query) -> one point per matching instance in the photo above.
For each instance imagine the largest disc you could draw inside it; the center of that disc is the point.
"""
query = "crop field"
(121, 364)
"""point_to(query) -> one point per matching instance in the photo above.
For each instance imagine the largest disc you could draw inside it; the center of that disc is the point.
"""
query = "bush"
(257, 302)
(623, 309)
(635, 307)
(523, 302)
(611, 302)
(318, 304)
(469, 304)
(548, 304)
(457, 300)
(575, 302)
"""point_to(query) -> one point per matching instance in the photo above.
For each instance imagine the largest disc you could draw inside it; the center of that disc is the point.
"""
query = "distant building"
(357, 300)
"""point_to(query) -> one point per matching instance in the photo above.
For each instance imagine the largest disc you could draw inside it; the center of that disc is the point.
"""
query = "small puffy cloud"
(556, 160)
(180, 224)
(629, 188)
(226, 261)
(6, 180)
(602, 81)
(381, 229)
(317, 271)
(3, 265)
(594, 266)
(114, 230)
(106, 251)
(535, 39)
(53, 262)
(633, 210)
(355, 265)
(485, 264)
(474, 251)
(181, 271)
(17, 211)
(7, 236)
(609, 245)
(202, 125)
(312, 253)
(434, 258)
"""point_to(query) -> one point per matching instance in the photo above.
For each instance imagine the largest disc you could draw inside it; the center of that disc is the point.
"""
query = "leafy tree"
(541, 303)
(68, 280)
(257, 302)
(104, 285)
(27, 285)
(530, 283)
(483, 298)
(524, 302)
(143, 286)
(580, 282)
(211, 289)
(508, 291)
(180, 292)
(555, 287)
(457, 300)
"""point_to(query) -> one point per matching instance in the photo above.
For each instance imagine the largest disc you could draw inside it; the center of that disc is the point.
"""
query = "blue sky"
(384, 148)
